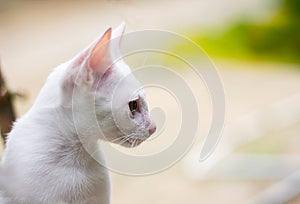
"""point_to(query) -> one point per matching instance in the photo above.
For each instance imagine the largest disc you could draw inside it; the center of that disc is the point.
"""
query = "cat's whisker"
(125, 139)
(133, 143)
(128, 139)
(120, 139)
(117, 139)
(136, 142)
(122, 142)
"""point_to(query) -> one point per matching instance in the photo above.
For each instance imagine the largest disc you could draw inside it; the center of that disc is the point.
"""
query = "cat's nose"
(152, 128)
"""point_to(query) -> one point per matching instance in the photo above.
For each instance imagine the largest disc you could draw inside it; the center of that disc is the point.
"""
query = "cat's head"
(106, 84)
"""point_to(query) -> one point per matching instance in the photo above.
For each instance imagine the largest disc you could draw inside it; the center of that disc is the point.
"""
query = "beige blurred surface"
(35, 36)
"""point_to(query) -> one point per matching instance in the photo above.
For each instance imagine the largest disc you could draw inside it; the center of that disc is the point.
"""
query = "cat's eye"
(133, 106)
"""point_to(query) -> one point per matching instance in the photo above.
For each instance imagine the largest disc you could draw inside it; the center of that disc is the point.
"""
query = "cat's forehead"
(130, 85)
(127, 86)
(125, 77)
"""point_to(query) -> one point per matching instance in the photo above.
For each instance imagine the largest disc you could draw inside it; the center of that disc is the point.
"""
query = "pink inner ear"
(100, 58)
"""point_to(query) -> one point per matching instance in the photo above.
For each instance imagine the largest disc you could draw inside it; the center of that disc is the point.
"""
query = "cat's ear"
(100, 57)
(107, 49)
(87, 66)
(118, 33)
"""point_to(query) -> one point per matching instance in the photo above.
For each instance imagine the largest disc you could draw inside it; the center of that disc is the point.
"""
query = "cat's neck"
(69, 145)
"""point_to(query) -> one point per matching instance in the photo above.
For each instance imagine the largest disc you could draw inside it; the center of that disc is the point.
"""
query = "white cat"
(46, 160)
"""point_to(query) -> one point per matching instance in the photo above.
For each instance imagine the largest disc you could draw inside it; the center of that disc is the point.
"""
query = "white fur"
(45, 161)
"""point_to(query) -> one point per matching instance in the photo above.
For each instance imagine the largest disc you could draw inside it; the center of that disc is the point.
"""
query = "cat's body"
(47, 159)
(48, 156)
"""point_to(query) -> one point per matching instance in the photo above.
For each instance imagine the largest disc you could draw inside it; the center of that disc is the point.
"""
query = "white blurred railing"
(285, 167)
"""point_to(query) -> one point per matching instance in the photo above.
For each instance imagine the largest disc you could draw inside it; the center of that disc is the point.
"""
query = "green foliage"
(292, 8)
(277, 40)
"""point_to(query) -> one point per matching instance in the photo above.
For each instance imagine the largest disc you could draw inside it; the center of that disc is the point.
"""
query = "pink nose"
(152, 129)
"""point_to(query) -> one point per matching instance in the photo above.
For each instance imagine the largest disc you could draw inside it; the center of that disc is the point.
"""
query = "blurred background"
(254, 44)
